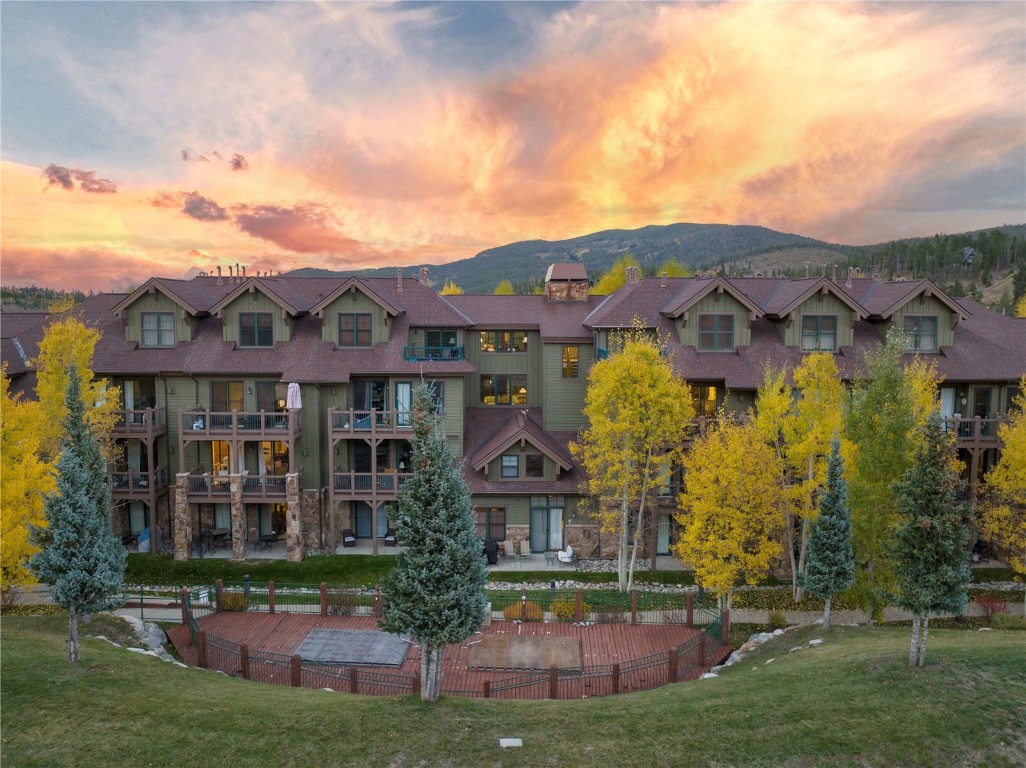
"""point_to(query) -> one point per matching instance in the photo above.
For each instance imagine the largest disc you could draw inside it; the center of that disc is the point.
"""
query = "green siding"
(717, 304)
(821, 305)
(156, 302)
(355, 301)
(518, 508)
(928, 306)
(494, 469)
(255, 302)
(564, 398)
(529, 362)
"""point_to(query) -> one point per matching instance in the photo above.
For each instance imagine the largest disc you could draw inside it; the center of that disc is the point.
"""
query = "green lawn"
(852, 701)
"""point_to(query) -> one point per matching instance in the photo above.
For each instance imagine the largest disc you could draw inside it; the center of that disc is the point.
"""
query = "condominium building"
(258, 409)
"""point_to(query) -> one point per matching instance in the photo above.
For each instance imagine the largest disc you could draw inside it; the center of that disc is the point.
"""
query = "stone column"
(293, 521)
(182, 518)
(238, 517)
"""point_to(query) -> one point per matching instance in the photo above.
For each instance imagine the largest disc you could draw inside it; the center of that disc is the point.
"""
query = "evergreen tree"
(436, 591)
(81, 560)
(830, 568)
(931, 555)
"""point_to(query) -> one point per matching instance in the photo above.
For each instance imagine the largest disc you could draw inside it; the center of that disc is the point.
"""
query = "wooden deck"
(601, 645)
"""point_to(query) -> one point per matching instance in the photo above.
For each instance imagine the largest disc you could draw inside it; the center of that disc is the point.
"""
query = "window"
(436, 340)
(271, 396)
(354, 329)
(921, 334)
(158, 329)
(503, 341)
(226, 396)
(437, 392)
(716, 332)
(255, 329)
(571, 358)
(504, 389)
(535, 465)
(490, 523)
(819, 332)
(510, 467)
(703, 400)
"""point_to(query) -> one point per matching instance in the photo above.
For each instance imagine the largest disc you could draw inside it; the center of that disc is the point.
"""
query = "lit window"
(158, 329)
(819, 332)
(255, 329)
(716, 332)
(571, 358)
(503, 341)
(703, 400)
(504, 389)
(354, 329)
(920, 334)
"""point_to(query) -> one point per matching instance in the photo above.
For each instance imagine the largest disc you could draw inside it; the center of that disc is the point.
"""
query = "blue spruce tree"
(435, 593)
(931, 549)
(81, 559)
(830, 567)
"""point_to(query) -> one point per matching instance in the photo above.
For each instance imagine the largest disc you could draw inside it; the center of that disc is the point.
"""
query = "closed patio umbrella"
(293, 399)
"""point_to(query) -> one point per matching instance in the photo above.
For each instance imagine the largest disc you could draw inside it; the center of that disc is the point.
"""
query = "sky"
(142, 139)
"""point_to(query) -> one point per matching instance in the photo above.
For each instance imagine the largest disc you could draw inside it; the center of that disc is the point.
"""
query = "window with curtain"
(158, 329)
(354, 329)
(255, 329)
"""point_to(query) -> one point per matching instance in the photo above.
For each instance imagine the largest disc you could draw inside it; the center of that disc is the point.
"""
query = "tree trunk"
(73, 633)
(913, 651)
(803, 551)
(826, 613)
(430, 672)
(621, 554)
(790, 553)
(922, 640)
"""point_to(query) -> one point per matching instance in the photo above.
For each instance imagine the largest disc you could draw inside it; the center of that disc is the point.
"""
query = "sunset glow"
(151, 139)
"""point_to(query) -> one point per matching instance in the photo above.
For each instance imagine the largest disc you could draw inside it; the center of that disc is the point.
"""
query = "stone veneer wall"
(310, 517)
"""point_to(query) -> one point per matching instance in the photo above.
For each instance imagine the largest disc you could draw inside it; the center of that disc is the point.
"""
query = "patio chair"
(507, 548)
(390, 538)
(525, 548)
(567, 556)
(348, 538)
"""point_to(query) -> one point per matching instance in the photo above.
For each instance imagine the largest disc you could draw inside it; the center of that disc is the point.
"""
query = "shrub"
(342, 604)
(234, 602)
(532, 611)
(777, 620)
(566, 610)
(992, 605)
(1007, 621)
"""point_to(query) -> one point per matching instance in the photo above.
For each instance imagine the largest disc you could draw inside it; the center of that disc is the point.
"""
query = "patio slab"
(354, 646)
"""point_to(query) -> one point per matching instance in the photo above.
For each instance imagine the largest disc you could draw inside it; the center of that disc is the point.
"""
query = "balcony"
(282, 426)
(975, 432)
(373, 423)
(216, 488)
(418, 354)
(145, 424)
(136, 484)
(364, 485)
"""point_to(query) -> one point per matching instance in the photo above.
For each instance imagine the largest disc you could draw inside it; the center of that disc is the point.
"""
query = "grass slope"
(852, 701)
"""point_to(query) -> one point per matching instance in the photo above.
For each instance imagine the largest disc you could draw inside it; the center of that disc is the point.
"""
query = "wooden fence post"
(634, 608)
(270, 597)
(377, 601)
(553, 682)
(523, 605)
(185, 616)
(691, 609)
(724, 625)
(671, 665)
(324, 598)
(415, 683)
(297, 672)
(577, 607)
(486, 689)
(219, 586)
(616, 679)
(201, 648)
(354, 680)
(244, 661)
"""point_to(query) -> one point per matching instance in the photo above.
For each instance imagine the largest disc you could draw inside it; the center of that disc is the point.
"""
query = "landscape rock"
(708, 675)
(817, 641)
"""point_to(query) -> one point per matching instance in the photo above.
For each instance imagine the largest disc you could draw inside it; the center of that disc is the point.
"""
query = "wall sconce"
(402, 466)
(171, 390)
(249, 389)
(962, 398)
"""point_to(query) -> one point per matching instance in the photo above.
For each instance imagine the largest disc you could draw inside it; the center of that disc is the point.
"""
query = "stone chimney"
(632, 275)
(423, 275)
(567, 281)
(399, 280)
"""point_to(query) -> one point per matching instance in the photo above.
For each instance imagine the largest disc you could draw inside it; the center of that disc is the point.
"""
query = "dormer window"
(256, 329)
(921, 334)
(819, 333)
(158, 329)
(716, 333)
(354, 329)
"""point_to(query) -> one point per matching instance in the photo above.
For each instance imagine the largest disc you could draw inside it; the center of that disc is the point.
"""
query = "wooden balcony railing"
(975, 431)
(370, 422)
(245, 425)
(144, 423)
(136, 483)
(217, 487)
(365, 484)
